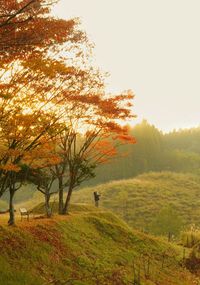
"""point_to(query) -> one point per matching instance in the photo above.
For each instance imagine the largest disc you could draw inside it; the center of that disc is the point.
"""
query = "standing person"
(96, 198)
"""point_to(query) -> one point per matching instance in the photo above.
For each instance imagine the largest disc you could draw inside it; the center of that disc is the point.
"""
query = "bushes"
(190, 237)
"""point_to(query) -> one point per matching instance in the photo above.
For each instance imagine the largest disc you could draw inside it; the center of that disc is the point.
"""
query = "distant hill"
(139, 200)
(88, 248)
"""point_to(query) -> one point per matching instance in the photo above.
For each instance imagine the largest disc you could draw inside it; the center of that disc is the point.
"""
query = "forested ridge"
(178, 151)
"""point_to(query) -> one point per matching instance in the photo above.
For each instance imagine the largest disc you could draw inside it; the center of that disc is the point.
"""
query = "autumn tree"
(90, 138)
(32, 111)
(85, 152)
(27, 35)
(44, 181)
(46, 95)
(35, 98)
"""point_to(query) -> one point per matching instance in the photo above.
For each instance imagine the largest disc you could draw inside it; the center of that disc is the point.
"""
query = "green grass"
(85, 248)
(139, 200)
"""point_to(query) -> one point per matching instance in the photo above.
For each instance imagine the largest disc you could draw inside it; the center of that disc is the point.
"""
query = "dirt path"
(39, 219)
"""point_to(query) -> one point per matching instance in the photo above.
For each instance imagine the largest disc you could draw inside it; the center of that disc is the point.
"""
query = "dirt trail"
(37, 219)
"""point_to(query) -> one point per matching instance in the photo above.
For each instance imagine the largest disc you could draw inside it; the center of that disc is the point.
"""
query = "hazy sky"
(151, 47)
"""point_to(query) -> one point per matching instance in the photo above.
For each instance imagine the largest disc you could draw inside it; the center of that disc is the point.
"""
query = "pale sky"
(151, 47)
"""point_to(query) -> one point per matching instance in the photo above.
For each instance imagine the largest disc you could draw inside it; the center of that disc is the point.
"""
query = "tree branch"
(20, 11)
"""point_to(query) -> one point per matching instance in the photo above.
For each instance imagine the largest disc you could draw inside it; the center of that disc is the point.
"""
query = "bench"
(24, 213)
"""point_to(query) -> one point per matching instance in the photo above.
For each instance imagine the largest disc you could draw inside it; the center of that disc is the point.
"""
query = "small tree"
(13, 182)
(167, 222)
(44, 182)
(27, 35)
(82, 153)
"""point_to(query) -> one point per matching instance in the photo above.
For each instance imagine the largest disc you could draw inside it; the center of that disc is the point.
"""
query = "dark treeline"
(177, 151)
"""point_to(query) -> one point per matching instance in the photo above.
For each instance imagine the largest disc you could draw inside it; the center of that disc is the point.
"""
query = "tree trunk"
(61, 202)
(11, 208)
(47, 206)
(66, 206)
(169, 236)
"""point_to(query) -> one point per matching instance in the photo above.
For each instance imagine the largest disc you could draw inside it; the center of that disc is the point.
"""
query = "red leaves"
(126, 138)
(102, 107)
(10, 167)
(26, 28)
(41, 157)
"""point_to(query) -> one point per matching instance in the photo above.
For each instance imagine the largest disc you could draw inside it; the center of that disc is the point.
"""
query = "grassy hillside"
(139, 200)
(88, 248)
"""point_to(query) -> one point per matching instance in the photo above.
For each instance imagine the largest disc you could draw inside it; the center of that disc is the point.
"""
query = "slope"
(140, 199)
(88, 248)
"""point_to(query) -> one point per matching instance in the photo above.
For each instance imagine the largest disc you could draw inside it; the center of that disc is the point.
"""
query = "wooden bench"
(24, 213)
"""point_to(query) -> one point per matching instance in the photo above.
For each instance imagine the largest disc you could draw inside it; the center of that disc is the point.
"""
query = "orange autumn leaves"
(26, 28)
(43, 93)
